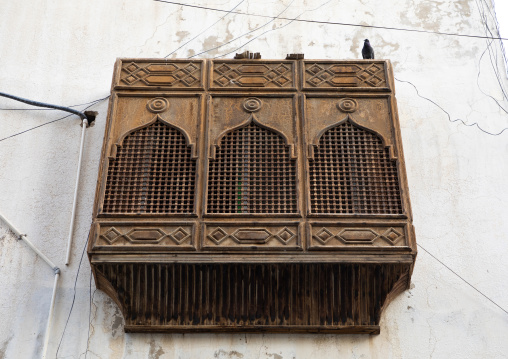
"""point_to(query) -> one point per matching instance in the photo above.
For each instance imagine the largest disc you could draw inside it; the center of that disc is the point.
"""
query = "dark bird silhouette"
(367, 51)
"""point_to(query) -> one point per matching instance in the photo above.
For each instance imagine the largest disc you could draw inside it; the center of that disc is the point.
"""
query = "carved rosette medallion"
(347, 105)
(157, 105)
(252, 104)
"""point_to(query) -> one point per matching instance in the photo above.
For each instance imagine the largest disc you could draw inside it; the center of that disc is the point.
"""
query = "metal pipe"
(30, 244)
(42, 104)
(23, 237)
(50, 315)
(73, 214)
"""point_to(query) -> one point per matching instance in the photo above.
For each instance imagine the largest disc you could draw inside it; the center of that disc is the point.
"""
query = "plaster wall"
(63, 52)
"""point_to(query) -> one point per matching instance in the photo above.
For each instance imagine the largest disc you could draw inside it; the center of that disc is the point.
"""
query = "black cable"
(449, 117)
(44, 109)
(229, 12)
(478, 82)
(42, 104)
(337, 23)
(472, 286)
(58, 119)
(74, 296)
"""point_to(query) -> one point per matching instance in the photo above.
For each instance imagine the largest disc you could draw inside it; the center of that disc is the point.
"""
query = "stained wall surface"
(63, 52)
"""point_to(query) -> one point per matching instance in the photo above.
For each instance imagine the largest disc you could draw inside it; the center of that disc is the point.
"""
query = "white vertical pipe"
(50, 315)
(55, 284)
(73, 214)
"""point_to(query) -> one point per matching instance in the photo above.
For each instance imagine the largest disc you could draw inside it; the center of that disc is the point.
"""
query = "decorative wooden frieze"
(170, 75)
(323, 75)
(326, 236)
(228, 74)
(241, 236)
(122, 236)
(252, 195)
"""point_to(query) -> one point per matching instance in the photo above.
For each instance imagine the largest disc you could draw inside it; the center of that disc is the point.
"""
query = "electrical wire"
(58, 119)
(43, 104)
(245, 34)
(337, 23)
(222, 18)
(449, 117)
(44, 109)
(472, 286)
(74, 295)
(277, 28)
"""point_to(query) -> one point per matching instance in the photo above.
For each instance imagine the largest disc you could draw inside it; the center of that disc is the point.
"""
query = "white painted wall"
(63, 52)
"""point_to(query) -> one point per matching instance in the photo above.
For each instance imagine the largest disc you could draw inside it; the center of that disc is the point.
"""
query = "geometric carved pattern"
(238, 236)
(252, 75)
(350, 75)
(145, 235)
(153, 172)
(352, 173)
(174, 75)
(377, 236)
(253, 173)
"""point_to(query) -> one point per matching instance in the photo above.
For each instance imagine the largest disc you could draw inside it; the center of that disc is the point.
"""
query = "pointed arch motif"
(153, 170)
(351, 172)
(252, 119)
(252, 172)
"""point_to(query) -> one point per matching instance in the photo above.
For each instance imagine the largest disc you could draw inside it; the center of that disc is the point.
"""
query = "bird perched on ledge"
(367, 51)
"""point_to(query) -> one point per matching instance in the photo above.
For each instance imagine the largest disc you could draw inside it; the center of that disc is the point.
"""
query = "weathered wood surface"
(266, 195)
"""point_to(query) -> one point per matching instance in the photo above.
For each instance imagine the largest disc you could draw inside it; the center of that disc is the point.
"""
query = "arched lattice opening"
(153, 172)
(352, 173)
(252, 173)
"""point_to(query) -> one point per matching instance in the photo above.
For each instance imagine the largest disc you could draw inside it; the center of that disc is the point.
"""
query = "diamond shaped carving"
(324, 235)
(179, 235)
(315, 69)
(285, 235)
(111, 235)
(281, 81)
(191, 68)
(130, 79)
(282, 69)
(392, 236)
(222, 69)
(189, 80)
(218, 235)
(132, 67)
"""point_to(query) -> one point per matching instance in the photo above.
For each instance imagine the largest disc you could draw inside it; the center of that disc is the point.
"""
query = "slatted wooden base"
(247, 297)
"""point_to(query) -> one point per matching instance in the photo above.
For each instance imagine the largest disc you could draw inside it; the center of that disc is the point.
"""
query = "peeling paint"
(155, 350)
(222, 354)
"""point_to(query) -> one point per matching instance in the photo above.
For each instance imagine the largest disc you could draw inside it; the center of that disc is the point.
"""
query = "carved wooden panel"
(327, 236)
(143, 236)
(227, 74)
(322, 75)
(181, 75)
(252, 195)
(242, 236)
